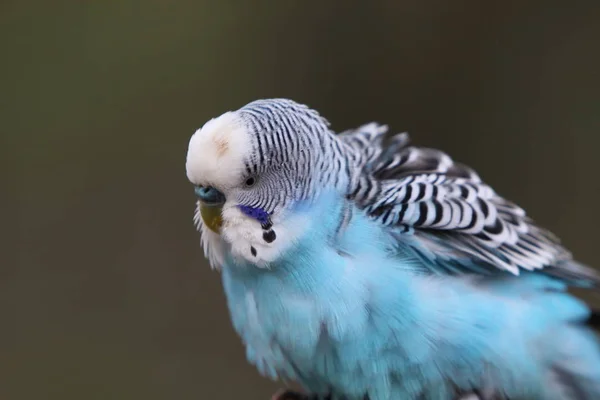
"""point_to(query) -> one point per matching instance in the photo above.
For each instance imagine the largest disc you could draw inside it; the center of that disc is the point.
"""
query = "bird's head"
(254, 167)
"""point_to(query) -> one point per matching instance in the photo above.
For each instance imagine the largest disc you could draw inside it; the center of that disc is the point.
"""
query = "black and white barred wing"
(383, 159)
(458, 216)
(367, 142)
(451, 218)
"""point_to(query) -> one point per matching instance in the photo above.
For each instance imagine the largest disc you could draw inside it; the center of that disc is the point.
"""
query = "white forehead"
(217, 152)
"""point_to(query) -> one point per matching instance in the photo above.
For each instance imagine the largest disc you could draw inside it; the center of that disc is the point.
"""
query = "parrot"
(359, 266)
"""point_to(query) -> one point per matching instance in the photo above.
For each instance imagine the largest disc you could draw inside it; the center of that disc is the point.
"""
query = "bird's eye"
(251, 181)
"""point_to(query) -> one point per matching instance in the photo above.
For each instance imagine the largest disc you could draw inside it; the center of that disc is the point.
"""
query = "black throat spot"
(269, 236)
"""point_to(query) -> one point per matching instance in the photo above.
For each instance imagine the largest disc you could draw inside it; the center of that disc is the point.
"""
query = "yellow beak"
(211, 215)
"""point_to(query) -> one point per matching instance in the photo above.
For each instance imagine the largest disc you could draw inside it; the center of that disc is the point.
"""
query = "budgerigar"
(362, 267)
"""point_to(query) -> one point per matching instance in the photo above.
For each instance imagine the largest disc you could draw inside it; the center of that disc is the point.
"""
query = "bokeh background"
(104, 291)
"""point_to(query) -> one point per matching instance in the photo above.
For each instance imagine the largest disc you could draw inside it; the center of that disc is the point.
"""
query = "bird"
(360, 266)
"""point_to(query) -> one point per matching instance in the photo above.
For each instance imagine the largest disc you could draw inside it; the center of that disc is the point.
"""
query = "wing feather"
(447, 214)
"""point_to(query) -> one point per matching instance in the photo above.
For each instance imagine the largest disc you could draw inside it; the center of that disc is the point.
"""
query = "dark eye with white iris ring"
(250, 181)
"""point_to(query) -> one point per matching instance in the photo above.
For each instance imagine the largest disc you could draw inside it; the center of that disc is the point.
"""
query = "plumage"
(364, 267)
(450, 205)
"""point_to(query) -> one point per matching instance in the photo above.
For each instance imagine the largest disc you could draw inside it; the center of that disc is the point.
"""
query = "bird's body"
(340, 315)
(349, 305)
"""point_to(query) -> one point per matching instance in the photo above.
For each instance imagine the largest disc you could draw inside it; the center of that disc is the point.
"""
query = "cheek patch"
(257, 213)
(261, 216)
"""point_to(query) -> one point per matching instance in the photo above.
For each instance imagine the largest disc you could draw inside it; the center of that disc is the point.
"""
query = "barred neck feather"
(296, 140)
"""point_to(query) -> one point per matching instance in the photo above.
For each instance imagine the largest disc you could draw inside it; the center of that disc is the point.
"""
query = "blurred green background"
(104, 291)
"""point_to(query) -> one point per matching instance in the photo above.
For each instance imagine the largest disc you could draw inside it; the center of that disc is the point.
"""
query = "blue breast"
(347, 311)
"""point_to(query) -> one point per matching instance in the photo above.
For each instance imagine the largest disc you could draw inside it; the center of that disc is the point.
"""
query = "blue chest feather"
(347, 310)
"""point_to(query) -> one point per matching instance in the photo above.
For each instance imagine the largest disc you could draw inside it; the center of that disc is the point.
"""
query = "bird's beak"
(211, 215)
(211, 207)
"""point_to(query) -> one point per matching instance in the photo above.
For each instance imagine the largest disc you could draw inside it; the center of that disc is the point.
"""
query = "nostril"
(209, 195)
